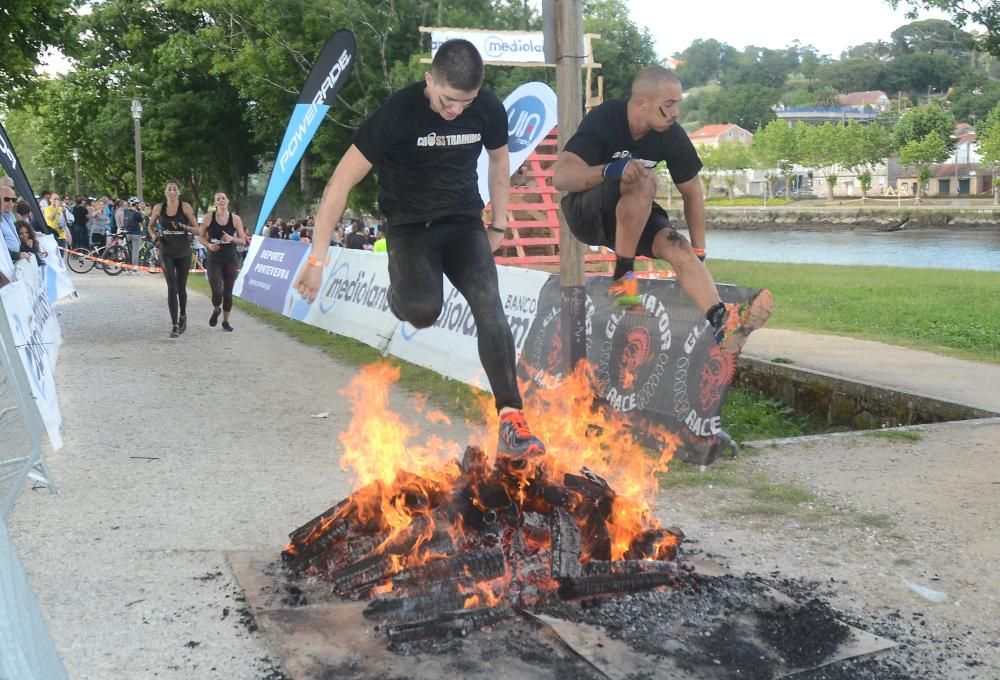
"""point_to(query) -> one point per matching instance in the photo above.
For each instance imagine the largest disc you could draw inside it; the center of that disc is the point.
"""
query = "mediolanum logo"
(524, 122)
(499, 48)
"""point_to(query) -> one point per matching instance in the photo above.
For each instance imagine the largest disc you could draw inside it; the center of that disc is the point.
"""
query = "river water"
(940, 248)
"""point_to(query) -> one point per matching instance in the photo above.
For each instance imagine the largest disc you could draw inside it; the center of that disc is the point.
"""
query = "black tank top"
(226, 251)
(174, 239)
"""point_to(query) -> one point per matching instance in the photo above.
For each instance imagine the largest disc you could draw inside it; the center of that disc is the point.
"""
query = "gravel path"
(179, 450)
(176, 451)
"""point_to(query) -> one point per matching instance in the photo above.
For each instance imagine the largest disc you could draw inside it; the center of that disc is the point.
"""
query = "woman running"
(220, 232)
(171, 225)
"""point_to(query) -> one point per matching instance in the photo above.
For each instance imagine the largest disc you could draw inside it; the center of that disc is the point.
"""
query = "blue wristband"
(615, 169)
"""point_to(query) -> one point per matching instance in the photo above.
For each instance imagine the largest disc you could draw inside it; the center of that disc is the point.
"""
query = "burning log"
(565, 545)
(481, 565)
(628, 567)
(419, 607)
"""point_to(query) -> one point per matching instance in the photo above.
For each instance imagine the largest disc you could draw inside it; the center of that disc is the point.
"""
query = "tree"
(974, 98)
(930, 35)
(623, 49)
(963, 12)
(775, 146)
(31, 29)
(758, 66)
(748, 106)
(850, 75)
(989, 146)
(726, 160)
(922, 72)
(922, 152)
(821, 146)
(862, 147)
(916, 124)
(703, 61)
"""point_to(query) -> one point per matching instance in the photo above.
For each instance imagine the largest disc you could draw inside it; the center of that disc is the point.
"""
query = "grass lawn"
(947, 311)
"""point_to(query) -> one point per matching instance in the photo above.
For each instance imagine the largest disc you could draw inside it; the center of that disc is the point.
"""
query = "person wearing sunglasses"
(8, 200)
(608, 169)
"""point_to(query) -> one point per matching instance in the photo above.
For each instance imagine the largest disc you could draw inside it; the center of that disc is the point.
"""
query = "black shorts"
(591, 217)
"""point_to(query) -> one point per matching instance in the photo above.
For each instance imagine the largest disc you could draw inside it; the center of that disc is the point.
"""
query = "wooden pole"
(569, 58)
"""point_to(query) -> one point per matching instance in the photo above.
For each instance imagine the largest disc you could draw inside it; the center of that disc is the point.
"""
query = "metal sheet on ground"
(335, 640)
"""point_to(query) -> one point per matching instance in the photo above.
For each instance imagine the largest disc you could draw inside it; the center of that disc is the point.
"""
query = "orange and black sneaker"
(732, 329)
(516, 439)
(624, 292)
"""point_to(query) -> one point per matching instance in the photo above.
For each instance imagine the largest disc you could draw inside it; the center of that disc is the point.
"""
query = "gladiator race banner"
(8, 159)
(531, 115)
(328, 75)
(658, 367)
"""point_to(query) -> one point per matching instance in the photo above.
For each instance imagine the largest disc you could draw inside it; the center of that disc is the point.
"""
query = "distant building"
(713, 135)
(815, 115)
(874, 100)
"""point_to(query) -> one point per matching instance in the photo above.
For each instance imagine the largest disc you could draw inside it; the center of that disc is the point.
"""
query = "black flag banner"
(660, 367)
(14, 170)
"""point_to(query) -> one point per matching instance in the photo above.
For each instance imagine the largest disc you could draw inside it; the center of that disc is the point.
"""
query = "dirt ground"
(180, 450)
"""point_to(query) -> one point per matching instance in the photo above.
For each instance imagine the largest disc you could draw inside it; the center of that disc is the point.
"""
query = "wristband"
(313, 262)
(615, 169)
(497, 229)
(700, 253)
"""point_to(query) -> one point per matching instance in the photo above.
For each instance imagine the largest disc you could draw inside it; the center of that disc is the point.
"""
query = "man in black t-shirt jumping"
(425, 141)
(608, 168)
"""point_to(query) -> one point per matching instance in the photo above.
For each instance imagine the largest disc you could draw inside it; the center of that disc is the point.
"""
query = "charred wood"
(457, 624)
(417, 607)
(572, 588)
(628, 567)
(565, 545)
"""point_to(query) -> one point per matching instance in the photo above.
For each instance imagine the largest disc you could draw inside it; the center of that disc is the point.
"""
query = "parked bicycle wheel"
(149, 255)
(78, 263)
(114, 257)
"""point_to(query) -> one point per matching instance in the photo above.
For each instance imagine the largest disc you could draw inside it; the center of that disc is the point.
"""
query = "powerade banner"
(269, 272)
(328, 75)
(14, 170)
(531, 115)
(660, 366)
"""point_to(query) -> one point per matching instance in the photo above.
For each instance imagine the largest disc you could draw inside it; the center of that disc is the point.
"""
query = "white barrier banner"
(450, 346)
(505, 47)
(6, 266)
(531, 115)
(36, 335)
(353, 298)
(58, 282)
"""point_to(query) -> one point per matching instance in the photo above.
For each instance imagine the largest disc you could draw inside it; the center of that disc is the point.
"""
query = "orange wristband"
(698, 251)
(313, 262)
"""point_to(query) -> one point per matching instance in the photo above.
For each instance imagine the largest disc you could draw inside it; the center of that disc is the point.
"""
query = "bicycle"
(81, 260)
(120, 253)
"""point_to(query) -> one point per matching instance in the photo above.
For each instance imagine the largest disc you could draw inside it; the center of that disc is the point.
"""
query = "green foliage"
(986, 14)
(29, 29)
(703, 61)
(930, 149)
(929, 36)
(916, 124)
(747, 416)
(747, 105)
(989, 137)
(623, 48)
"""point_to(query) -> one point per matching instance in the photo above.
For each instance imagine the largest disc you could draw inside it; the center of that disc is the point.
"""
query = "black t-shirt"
(603, 136)
(426, 164)
(356, 240)
(80, 216)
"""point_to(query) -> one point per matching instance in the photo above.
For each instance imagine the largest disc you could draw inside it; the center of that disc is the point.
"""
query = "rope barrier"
(130, 267)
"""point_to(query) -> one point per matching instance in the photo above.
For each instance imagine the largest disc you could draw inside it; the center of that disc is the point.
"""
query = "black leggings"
(458, 248)
(222, 275)
(175, 271)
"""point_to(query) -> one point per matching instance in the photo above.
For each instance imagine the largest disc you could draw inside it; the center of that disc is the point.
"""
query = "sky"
(830, 27)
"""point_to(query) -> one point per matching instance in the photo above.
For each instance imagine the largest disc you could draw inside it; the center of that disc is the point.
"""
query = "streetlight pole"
(76, 172)
(52, 175)
(136, 118)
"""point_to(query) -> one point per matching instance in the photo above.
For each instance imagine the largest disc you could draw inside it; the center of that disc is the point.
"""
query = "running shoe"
(182, 323)
(516, 439)
(624, 292)
(740, 320)
(174, 333)
(214, 319)
(226, 326)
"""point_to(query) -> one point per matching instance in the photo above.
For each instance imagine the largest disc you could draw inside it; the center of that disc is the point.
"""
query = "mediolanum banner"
(498, 47)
